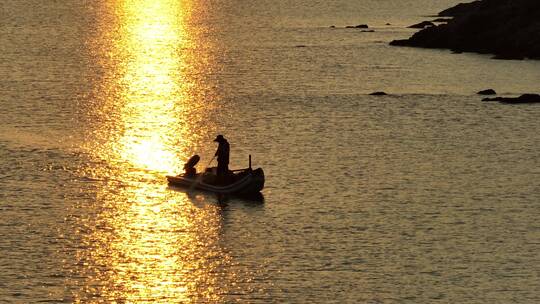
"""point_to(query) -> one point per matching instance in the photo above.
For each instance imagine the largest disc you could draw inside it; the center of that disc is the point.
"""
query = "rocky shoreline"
(509, 29)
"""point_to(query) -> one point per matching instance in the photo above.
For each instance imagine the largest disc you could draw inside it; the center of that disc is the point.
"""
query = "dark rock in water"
(368, 31)
(362, 26)
(400, 42)
(332, 26)
(525, 98)
(378, 94)
(422, 24)
(487, 92)
(388, 24)
(507, 28)
(493, 99)
(441, 20)
(508, 56)
(300, 46)
(460, 9)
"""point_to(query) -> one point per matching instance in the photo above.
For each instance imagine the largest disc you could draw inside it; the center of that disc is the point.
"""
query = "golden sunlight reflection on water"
(151, 37)
(144, 242)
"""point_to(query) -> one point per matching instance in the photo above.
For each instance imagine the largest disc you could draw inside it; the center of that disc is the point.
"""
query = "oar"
(200, 176)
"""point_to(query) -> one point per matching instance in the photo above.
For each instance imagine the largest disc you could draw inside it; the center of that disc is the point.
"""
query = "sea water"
(424, 195)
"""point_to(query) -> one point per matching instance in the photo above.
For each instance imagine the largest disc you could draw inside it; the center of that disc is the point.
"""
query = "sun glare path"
(156, 245)
(152, 36)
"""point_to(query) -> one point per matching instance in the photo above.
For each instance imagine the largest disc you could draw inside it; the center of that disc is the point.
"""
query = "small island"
(509, 29)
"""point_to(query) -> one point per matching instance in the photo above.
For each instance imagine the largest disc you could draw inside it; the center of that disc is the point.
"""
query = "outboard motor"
(189, 166)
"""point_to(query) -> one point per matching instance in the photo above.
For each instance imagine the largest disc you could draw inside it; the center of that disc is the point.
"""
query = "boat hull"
(249, 182)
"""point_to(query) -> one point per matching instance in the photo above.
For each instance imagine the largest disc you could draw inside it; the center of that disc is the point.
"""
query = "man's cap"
(219, 138)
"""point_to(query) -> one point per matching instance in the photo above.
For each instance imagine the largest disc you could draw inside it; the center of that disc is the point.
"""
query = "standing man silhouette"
(222, 154)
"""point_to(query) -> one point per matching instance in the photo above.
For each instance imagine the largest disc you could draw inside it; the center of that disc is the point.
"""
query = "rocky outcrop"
(378, 94)
(525, 98)
(510, 29)
(487, 92)
(359, 26)
(422, 24)
(441, 20)
(460, 9)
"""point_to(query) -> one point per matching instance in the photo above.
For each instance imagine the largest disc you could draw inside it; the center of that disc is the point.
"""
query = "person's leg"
(221, 174)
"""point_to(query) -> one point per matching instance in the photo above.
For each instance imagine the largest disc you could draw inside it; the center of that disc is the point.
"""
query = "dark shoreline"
(509, 29)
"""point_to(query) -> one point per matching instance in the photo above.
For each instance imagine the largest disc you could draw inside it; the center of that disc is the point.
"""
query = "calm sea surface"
(427, 195)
